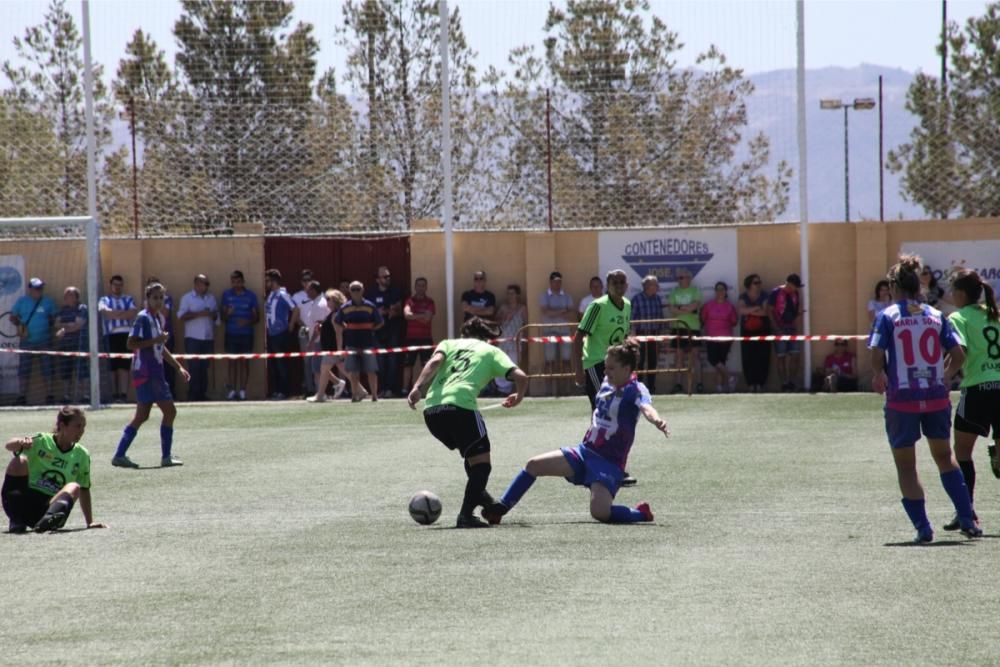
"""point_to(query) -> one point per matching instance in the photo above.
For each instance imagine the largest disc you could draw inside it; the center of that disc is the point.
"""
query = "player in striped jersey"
(456, 373)
(978, 328)
(598, 462)
(914, 351)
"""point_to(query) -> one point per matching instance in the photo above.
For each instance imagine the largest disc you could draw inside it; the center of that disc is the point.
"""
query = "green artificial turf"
(285, 538)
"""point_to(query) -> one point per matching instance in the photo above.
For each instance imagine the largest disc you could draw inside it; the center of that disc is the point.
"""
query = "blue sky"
(756, 35)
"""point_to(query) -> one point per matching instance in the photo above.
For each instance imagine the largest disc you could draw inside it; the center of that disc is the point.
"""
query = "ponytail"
(974, 287)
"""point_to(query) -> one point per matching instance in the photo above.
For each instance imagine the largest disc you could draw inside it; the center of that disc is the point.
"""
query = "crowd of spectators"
(352, 318)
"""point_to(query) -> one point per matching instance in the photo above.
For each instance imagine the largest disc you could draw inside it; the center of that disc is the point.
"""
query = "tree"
(248, 77)
(48, 89)
(951, 162)
(393, 55)
(635, 140)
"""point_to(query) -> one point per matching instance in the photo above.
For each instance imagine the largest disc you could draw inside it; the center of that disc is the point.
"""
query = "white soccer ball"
(425, 507)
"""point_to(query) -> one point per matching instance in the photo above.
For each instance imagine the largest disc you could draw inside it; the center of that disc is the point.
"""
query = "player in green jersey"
(456, 373)
(48, 474)
(978, 328)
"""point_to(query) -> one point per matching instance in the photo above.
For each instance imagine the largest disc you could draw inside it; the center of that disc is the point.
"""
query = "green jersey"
(685, 296)
(605, 325)
(50, 469)
(981, 339)
(469, 365)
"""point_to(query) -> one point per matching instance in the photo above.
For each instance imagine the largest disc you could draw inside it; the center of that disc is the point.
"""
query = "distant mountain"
(772, 110)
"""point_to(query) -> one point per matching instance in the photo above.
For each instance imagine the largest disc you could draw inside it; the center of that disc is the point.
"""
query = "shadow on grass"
(925, 545)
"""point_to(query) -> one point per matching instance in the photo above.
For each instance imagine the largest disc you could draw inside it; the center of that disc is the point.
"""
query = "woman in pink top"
(718, 318)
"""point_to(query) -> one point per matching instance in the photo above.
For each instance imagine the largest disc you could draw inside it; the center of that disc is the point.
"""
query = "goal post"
(62, 251)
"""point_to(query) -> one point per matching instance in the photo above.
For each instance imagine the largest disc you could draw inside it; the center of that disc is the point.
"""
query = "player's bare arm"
(520, 387)
(16, 445)
(426, 377)
(654, 418)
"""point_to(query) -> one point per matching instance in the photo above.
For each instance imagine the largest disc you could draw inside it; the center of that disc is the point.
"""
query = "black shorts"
(717, 352)
(459, 429)
(683, 341)
(979, 410)
(424, 355)
(118, 342)
(593, 377)
(24, 505)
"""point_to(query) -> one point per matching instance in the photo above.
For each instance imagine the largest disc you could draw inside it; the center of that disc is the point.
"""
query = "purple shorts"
(153, 391)
(589, 468)
(904, 428)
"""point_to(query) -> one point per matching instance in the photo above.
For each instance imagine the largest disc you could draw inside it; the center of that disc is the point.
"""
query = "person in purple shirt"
(147, 341)
(914, 350)
(598, 462)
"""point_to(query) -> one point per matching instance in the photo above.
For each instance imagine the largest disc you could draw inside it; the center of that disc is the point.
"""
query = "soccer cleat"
(16, 528)
(925, 536)
(51, 521)
(123, 462)
(629, 480)
(994, 460)
(341, 386)
(470, 521)
(170, 461)
(495, 512)
(316, 399)
(647, 513)
(955, 524)
(971, 529)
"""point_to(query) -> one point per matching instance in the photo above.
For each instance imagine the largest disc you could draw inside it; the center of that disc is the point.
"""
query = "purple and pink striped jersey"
(915, 336)
(612, 430)
(147, 362)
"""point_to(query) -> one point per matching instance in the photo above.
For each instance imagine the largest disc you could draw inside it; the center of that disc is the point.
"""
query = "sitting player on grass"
(48, 474)
(148, 344)
(456, 373)
(599, 461)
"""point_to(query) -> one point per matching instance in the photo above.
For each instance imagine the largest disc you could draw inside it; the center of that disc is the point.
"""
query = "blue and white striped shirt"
(108, 303)
(279, 307)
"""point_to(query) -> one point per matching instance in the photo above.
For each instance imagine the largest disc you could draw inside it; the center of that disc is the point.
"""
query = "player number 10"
(929, 344)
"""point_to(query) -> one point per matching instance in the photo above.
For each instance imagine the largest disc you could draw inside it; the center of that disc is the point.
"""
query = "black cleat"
(629, 480)
(470, 521)
(51, 521)
(495, 512)
(16, 528)
(955, 524)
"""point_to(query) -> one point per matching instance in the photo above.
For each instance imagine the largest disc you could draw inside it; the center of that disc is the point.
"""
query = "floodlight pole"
(859, 104)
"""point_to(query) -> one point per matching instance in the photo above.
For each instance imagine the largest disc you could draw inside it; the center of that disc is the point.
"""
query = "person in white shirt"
(596, 292)
(311, 314)
(199, 313)
(300, 298)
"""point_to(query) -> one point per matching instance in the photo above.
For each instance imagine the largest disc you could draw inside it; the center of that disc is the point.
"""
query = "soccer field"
(779, 539)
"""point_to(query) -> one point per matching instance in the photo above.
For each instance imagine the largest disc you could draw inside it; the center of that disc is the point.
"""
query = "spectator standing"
(839, 371)
(304, 334)
(883, 299)
(930, 291)
(479, 301)
(357, 321)
(418, 311)
(117, 311)
(557, 307)
(389, 301)
(511, 316)
(785, 310)
(311, 314)
(596, 292)
(71, 323)
(240, 311)
(280, 311)
(685, 305)
(648, 305)
(329, 341)
(199, 312)
(718, 319)
(34, 314)
(755, 355)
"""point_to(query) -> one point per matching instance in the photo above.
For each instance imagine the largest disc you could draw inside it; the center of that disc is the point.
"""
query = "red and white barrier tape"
(417, 348)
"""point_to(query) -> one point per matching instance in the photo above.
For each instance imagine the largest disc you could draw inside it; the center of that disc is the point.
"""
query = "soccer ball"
(425, 507)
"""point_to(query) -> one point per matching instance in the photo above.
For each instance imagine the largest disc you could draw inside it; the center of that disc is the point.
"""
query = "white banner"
(709, 254)
(12, 286)
(945, 256)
